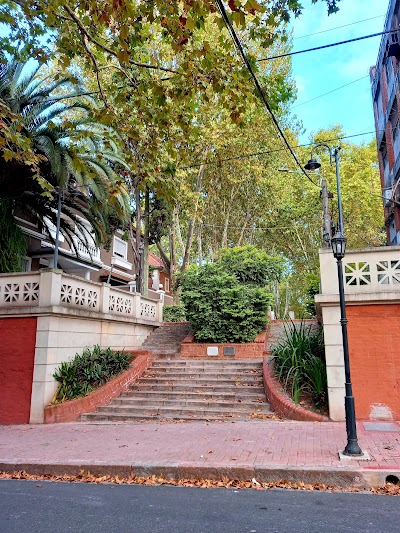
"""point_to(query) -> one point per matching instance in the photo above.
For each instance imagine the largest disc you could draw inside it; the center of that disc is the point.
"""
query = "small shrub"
(299, 362)
(88, 371)
(220, 308)
(174, 313)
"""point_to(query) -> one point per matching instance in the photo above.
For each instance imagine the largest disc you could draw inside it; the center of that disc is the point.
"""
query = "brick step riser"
(180, 411)
(199, 404)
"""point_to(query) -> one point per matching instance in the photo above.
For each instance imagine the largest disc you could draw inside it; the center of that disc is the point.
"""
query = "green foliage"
(13, 244)
(76, 154)
(174, 313)
(299, 362)
(220, 308)
(250, 265)
(88, 371)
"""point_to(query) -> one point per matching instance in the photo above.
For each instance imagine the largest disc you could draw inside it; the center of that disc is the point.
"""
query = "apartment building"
(385, 78)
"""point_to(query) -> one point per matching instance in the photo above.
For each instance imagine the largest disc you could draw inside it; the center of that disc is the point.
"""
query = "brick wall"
(249, 350)
(70, 411)
(374, 344)
(17, 352)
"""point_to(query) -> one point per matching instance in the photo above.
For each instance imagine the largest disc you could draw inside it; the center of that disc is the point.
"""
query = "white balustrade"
(371, 270)
(19, 290)
(49, 288)
(89, 251)
(80, 293)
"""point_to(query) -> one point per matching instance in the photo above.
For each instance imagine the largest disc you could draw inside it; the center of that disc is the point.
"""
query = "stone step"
(179, 403)
(255, 389)
(178, 395)
(176, 365)
(103, 418)
(206, 374)
(196, 382)
(211, 363)
(188, 411)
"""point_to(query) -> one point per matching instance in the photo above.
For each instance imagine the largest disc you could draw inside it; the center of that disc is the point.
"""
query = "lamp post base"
(352, 448)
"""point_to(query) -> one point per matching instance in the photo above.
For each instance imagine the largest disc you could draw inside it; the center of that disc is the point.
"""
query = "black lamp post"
(57, 242)
(338, 243)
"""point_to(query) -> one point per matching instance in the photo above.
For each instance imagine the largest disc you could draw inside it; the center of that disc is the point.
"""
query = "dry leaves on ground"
(86, 477)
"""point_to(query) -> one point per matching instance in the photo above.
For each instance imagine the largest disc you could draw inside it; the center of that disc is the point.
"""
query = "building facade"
(385, 82)
(114, 264)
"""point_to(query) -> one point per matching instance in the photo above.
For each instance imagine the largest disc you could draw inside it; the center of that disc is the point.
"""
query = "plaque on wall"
(229, 350)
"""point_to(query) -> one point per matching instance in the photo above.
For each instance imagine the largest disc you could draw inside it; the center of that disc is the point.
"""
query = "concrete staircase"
(165, 341)
(183, 389)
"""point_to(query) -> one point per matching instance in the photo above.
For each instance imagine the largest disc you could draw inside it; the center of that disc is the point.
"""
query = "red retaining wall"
(281, 403)
(17, 355)
(374, 346)
(248, 350)
(70, 411)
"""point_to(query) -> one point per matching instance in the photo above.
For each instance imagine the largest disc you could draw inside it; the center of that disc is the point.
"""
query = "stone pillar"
(50, 287)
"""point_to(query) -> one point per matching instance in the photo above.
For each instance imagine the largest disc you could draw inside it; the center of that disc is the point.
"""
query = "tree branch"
(82, 28)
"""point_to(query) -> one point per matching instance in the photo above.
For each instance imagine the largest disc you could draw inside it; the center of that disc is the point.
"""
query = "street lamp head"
(312, 165)
(338, 243)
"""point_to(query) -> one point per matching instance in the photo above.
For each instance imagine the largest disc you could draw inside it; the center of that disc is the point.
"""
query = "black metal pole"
(352, 447)
(57, 229)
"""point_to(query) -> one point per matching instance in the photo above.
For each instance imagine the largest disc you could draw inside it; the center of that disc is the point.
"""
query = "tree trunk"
(146, 243)
(199, 245)
(189, 239)
(178, 228)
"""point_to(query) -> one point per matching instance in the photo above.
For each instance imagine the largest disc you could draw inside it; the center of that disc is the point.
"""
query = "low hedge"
(87, 371)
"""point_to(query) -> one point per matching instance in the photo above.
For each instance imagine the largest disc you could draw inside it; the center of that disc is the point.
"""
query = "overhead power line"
(339, 27)
(328, 45)
(267, 152)
(329, 92)
(258, 86)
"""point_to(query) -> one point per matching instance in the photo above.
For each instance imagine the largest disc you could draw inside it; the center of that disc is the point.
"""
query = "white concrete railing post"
(104, 298)
(50, 287)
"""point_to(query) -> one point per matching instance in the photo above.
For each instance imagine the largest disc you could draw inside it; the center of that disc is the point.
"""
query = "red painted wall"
(374, 345)
(17, 353)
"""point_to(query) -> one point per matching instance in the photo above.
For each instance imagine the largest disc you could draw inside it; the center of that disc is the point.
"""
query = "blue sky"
(323, 70)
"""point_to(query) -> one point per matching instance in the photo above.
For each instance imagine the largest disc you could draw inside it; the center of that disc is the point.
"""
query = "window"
(120, 248)
(166, 288)
(394, 119)
(26, 264)
(388, 69)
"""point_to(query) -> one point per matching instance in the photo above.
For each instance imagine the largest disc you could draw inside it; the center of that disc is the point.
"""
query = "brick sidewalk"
(237, 449)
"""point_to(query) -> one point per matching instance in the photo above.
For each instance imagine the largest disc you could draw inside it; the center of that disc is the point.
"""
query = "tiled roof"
(155, 261)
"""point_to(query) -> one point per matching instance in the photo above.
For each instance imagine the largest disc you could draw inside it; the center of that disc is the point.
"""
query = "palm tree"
(79, 156)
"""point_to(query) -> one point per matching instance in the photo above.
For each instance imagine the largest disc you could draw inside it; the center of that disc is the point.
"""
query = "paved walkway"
(268, 450)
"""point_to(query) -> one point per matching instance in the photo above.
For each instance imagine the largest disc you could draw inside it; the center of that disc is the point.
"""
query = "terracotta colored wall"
(374, 344)
(249, 350)
(17, 352)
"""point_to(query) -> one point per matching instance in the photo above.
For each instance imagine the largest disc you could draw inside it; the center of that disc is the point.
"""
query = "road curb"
(342, 477)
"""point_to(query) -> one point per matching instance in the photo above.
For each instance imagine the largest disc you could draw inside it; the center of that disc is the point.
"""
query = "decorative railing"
(87, 251)
(364, 271)
(20, 289)
(49, 288)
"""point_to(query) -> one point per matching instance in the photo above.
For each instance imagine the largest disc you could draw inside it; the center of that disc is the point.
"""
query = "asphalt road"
(44, 507)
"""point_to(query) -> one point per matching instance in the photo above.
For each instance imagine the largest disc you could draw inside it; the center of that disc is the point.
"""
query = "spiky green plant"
(299, 361)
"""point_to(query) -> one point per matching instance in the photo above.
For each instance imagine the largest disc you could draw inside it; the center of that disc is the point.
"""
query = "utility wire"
(338, 27)
(267, 152)
(329, 92)
(328, 45)
(258, 86)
